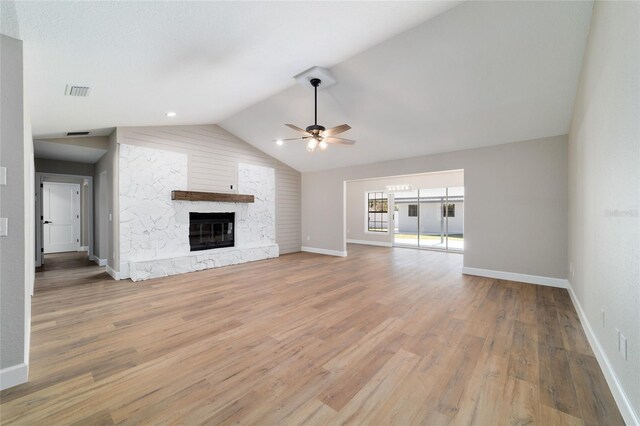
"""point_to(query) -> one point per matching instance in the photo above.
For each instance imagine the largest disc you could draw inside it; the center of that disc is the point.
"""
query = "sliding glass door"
(433, 224)
(430, 218)
(455, 218)
(405, 218)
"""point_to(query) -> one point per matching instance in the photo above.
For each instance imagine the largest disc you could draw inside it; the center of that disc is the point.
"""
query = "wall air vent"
(77, 90)
(77, 133)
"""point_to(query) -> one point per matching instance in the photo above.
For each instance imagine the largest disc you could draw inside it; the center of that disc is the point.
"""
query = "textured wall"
(604, 186)
(515, 203)
(213, 156)
(154, 230)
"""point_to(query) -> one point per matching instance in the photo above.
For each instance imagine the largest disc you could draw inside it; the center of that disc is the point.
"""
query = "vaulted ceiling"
(202, 60)
(413, 78)
(482, 73)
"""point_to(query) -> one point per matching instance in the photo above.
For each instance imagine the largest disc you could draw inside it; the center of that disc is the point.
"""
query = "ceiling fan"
(317, 135)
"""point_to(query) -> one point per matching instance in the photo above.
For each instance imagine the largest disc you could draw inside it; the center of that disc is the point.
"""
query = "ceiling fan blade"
(303, 138)
(336, 130)
(340, 141)
(298, 129)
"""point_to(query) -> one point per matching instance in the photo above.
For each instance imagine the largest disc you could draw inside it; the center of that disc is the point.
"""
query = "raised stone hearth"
(154, 230)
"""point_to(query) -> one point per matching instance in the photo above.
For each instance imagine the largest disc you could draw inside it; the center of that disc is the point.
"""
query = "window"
(377, 212)
(449, 210)
(413, 210)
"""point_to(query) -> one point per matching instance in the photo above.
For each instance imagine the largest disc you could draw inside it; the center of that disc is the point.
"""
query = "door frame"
(60, 178)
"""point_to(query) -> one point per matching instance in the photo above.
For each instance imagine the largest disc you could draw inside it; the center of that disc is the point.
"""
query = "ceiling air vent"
(77, 133)
(77, 90)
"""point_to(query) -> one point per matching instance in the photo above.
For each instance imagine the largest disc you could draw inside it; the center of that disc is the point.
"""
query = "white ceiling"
(480, 74)
(203, 60)
(66, 152)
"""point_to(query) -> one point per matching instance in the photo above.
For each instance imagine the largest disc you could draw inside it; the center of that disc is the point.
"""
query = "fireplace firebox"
(211, 230)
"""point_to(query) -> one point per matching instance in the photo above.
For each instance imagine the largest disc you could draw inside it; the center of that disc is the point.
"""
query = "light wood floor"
(384, 336)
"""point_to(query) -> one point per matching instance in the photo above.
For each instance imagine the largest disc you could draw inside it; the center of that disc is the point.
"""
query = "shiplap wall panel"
(213, 157)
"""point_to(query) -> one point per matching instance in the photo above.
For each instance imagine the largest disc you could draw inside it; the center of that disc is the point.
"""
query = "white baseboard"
(512, 276)
(370, 243)
(624, 405)
(123, 274)
(324, 251)
(13, 376)
(84, 248)
(113, 273)
(100, 262)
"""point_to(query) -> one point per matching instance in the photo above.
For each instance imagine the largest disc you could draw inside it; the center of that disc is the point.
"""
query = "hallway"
(74, 266)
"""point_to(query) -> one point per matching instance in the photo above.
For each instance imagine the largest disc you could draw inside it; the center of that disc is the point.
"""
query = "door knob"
(46, 222)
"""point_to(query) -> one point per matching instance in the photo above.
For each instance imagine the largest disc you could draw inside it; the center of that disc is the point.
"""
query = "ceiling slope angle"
(480, 74)
(205, 61)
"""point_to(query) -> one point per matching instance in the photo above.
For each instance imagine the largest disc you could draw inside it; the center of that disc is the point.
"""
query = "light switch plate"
(3, 175)
(4, 226)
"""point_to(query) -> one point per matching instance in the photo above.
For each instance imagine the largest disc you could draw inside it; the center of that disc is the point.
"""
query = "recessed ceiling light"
(171, 114)
(279, 142)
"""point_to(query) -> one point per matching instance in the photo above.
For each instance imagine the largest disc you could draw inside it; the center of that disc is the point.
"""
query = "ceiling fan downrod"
(315, 129)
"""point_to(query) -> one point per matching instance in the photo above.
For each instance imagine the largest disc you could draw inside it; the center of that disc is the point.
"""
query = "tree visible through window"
(413, 210)
(377, 212)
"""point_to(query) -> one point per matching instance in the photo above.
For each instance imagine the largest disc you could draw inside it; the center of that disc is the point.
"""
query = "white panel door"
(61, 217)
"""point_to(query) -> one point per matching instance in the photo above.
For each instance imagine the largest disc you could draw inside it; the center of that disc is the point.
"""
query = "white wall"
(527, 180)
(604, 193)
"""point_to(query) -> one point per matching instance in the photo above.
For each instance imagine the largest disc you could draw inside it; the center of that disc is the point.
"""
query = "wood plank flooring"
(383, 336)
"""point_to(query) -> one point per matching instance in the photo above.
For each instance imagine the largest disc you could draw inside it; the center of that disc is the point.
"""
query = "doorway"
(64, 216)
(61, 217)
(429, 218)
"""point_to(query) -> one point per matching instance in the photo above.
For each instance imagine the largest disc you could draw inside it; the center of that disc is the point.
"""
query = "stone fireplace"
(156, 232)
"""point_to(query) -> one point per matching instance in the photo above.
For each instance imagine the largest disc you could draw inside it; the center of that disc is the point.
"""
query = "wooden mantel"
(211, 196)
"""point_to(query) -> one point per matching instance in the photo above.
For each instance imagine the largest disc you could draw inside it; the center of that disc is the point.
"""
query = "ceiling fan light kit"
(316, 135)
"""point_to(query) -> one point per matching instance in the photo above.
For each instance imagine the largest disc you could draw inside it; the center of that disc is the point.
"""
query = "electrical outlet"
(618, 336)
(602, 316)
(622, 345)
(571, 269)
(308, 238)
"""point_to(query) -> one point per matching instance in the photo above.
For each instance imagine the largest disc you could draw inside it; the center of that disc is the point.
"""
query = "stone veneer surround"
(154, 230)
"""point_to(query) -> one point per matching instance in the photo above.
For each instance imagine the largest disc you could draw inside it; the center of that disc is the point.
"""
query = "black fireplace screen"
(211, 230)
